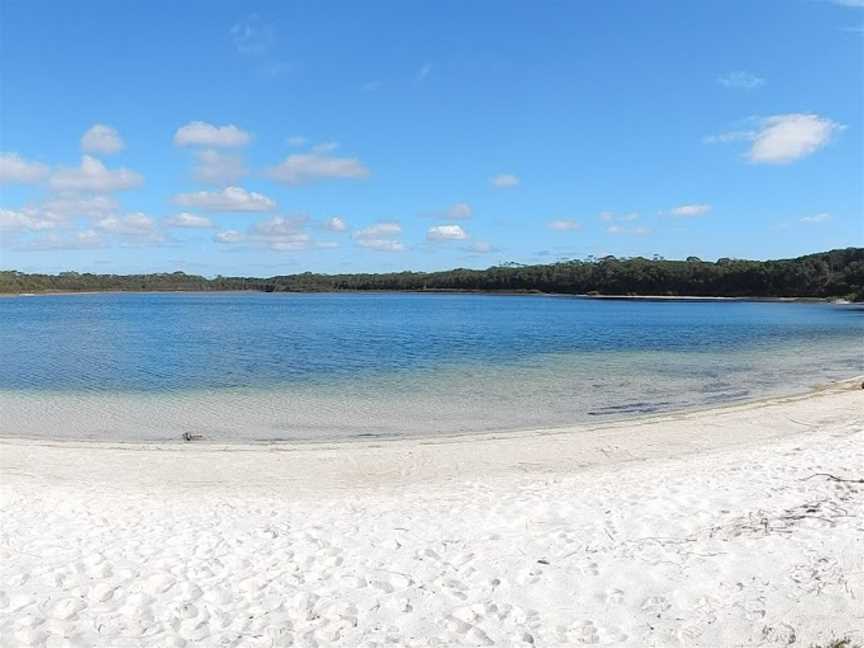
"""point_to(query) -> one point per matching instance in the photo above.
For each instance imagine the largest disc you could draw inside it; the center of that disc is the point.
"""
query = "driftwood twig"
(834, 478)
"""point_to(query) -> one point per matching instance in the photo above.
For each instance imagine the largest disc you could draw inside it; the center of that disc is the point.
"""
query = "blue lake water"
(272, 366)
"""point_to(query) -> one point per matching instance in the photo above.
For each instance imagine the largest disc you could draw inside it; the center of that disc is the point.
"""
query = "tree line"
(834, 274)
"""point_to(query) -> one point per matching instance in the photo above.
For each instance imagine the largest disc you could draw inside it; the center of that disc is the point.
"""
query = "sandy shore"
(704, 529)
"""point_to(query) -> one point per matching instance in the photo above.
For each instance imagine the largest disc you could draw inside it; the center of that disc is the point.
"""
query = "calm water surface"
(273, 366)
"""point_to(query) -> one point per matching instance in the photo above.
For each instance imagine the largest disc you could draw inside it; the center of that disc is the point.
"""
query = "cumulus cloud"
(689, 211)
(303, 168)
(103, 139)
(382, 245)
(740, 80)
(781, 139)
(28, 219)
(282, 233)
(446, 233)
(74, 205)
(335, 224)
(133, 229)
(199, 133)
(817, 218)
(379, 230)
(218, 168)
(786, 138)
(16, 170)
(278, 233)
(504, 181)
(94, 176)
(87, 239)
(186, 220)
(57, 212)
(564, 225)
(381, 236)
(229, 236)
(136, 224)
(230, 199)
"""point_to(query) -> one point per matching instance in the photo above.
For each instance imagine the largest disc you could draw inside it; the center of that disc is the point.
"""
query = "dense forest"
(834, 274)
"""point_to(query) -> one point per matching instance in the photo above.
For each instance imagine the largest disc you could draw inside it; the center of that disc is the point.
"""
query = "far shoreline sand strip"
(708, 528)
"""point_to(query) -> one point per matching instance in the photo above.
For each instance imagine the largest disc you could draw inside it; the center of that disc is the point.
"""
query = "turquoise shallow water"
(283, 366)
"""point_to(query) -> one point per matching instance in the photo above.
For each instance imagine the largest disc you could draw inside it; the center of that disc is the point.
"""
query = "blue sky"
(269, 138)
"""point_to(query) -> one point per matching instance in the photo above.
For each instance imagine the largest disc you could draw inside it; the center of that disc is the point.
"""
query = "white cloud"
(56, 212)
(381, 236)
(82, 240)
(689, 211)
(136, 224)
(817, 218)
(218, 168)
(446, 233)
(564, 225)
(133, 229)
(278, 233)
(72, 205)
(230, 199)
(281, 233)
(504, 181)
(94, 176)
(371, 86)
(28, 219)
(781, 139)
(304, 168)
(252, 35)
(382, 245)
(16, 170)
(741, 80)
(229, 236)
(296, 141)
(102, 139)
(857, 4)
(189, 221)
(199, 133)
(628, 231)
(786, 138)
(336, 224)
(385, 229)
(612, 217)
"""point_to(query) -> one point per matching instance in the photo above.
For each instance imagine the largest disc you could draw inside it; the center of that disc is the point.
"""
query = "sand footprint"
(67, 608)
(655, 606)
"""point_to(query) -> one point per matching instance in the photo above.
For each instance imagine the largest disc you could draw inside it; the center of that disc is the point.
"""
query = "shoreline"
(844, 384)
(579, 438)
(502, 293)
(698, 529)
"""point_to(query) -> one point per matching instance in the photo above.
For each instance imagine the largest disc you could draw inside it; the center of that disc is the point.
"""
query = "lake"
(257, 367)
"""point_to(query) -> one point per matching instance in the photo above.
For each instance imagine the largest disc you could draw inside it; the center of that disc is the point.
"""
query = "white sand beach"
(710, 528)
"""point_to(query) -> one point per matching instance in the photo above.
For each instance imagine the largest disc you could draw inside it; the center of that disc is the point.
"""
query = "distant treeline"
(838, 273)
